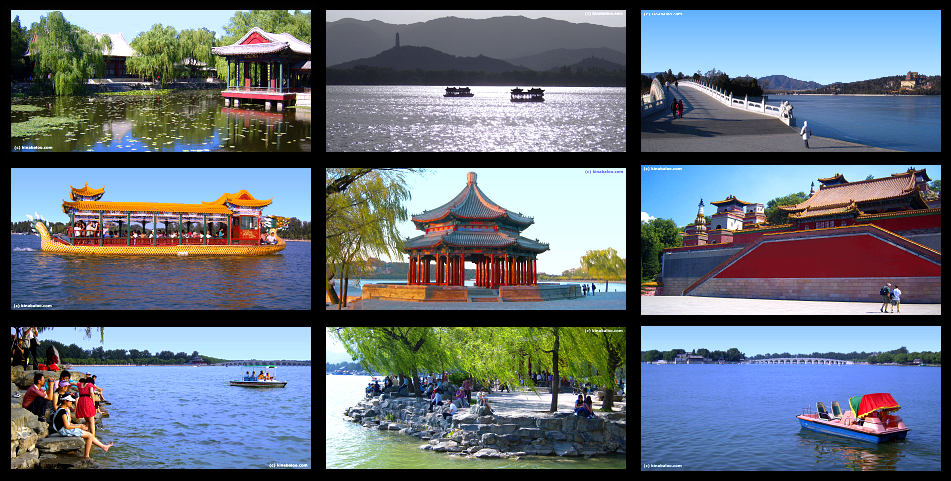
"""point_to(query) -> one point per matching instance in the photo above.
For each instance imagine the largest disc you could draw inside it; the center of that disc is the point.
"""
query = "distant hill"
(564, 56)
(498, 37)
(425, 58)
(782, 82)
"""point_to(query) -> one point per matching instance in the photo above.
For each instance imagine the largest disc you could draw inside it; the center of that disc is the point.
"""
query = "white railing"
(648, 108)
(737, 103)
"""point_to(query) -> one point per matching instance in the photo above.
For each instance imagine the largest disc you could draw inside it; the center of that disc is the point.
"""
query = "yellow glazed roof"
(85, 191)
(145, 207)
(242, 198)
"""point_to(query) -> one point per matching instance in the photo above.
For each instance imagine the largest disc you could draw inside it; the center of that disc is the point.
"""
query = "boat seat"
(836, 410)
(821, 411)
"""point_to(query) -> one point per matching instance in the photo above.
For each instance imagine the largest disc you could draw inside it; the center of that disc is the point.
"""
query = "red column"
(409, 270)
(492, 271)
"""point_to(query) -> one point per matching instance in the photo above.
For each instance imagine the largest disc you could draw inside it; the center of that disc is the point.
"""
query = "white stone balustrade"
(660, 102)
(736, 103)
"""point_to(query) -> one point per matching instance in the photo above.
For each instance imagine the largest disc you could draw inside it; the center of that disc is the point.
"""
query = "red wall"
(844, 256)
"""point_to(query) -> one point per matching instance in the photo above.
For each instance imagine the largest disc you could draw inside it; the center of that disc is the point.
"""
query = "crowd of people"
(48, 395)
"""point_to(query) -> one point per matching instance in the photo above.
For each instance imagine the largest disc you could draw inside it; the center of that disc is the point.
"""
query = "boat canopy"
(864, 405)
(270, 368)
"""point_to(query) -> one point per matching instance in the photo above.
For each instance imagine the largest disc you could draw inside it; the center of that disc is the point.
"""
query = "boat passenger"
(64, 427)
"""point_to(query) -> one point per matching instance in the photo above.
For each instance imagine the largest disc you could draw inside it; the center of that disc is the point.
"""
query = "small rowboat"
(270, 369)
(873, 424)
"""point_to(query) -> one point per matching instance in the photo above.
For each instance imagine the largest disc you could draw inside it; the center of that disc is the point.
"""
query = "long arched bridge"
(258, 361)
(800, 360)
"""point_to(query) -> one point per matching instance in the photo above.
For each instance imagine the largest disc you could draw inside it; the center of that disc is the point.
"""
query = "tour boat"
(259, 383)
(874, 422)
(458, 92)
(531, 95)
(231, 225)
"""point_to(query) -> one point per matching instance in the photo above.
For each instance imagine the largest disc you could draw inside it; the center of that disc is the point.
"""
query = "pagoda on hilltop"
(472, 228)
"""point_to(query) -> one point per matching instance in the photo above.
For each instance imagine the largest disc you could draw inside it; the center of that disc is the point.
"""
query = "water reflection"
(174, 122)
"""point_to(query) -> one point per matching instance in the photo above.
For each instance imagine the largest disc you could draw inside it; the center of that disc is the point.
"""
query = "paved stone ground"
(733, 306)
(528, 404)
(709, 126)
(600, 301)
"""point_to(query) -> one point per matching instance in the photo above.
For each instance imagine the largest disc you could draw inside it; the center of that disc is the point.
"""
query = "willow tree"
(364, 208)
(67, 53)
(604, 264)
(586, 353)
(597, 353)
(394, 350)
(157, 53)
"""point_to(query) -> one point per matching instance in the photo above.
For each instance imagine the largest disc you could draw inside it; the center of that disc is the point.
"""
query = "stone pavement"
(599, 301)
(734, 306)
(709, 126)
(528, 404)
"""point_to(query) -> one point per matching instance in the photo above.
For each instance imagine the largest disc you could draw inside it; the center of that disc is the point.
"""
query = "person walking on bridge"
(806, 131)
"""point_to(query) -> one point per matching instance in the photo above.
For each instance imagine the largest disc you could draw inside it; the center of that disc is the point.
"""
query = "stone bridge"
(258, 362)
(800, 360)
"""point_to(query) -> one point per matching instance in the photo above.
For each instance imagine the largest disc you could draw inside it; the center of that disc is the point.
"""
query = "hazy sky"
(608, 18)
(809, 45)
(794, 340)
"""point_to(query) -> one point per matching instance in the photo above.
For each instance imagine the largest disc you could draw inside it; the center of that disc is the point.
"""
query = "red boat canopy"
(874, 402)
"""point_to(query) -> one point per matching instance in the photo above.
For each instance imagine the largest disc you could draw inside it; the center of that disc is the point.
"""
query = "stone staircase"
(481, 294)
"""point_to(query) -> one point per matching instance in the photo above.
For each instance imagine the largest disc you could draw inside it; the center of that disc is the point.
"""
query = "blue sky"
(675, 192)
(44, 190)
(810, 45)
(794, 340)
(575, 210)
(266, 343)
(133, 22)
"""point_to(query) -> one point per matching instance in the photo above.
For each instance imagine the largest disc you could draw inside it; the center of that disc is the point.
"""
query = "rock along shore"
(477, 433)
(30, 444)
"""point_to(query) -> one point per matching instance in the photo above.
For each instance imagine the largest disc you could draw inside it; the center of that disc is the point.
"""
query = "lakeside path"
(528, 404)
(709, 126)
(599, 301)
(735, 306)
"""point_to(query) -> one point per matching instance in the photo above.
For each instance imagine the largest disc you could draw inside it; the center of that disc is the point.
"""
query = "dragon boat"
(228, 226)
(870, 419)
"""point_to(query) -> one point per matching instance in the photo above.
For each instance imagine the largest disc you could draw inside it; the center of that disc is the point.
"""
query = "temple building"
(282, 63)
(837, 203)
(842, 243)
(840, 203)
(472, 228)
(729, 217)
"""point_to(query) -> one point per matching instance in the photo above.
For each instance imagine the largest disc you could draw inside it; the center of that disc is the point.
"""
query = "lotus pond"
(168, 121)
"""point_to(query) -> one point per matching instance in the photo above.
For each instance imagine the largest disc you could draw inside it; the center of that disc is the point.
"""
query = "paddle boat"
(253, 380)
(869, 420)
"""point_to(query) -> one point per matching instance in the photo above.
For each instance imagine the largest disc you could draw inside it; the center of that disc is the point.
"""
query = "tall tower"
(696, 234)
(397, 39)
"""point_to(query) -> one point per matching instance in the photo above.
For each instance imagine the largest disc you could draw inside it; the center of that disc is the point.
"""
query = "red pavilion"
(472, 228)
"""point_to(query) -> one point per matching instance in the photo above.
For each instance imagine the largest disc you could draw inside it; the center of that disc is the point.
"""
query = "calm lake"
(399, 118)
(743, 417)
(190, 417)
(179, 121)
(907, 123)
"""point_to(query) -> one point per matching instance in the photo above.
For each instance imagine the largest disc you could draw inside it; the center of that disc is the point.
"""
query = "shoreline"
(516, 429)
